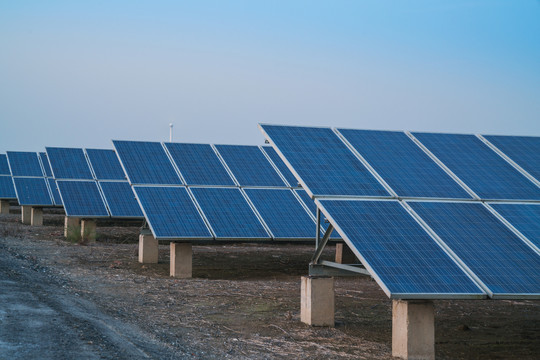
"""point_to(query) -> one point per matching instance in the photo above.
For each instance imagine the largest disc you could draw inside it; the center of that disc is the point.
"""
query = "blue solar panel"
(403, 165)
(524, 150)
(120, 199)
(485, 172)
(146, 163)
(69, 163)
(171, 213)
(281, 166)
(24, 163)
(45, 162)
(199, 164)
(403, 258)
(249, 165)
(105, 164)
(56, 195)
(7, 190)
(496, 255)
(32, 191)
(82, 199)
(283, 214)
(229, 214)
(4, 167)
(525, 218)
(323, 162)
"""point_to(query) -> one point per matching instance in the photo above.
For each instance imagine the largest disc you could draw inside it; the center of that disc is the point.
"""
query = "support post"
(344, 254)
(148, 249)
(181, 260)
(36, 217)
(26, 214)
(88, 231)
(413, 329)
(72, 226)
(4, 207)
(317, 300)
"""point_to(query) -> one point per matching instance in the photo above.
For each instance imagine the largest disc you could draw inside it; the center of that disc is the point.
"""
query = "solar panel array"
(92, 184)
(223, 192)
(459, 216)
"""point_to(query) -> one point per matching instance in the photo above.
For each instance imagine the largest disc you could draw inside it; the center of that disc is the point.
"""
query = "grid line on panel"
(69, 163)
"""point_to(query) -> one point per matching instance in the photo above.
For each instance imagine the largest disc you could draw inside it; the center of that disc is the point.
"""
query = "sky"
(79, 74)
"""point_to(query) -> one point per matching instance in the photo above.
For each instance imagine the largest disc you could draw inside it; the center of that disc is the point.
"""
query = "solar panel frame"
(120, 200)
(69, 164)
(105, 164)
(87, 196)
(7, 188)
(32, 191)
(45, 164)
(24, 163)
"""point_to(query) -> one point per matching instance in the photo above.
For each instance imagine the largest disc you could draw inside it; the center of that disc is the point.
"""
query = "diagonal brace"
(322, 245)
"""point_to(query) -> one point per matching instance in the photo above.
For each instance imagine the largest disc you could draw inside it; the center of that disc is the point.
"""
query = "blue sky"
(83, 73)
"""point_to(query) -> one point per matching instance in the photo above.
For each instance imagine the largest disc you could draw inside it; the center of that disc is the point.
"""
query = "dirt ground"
(244, 299)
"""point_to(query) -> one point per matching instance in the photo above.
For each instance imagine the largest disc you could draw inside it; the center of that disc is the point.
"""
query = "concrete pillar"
(36, 217)
(26, 214)
(88, 231)
(344, 254)
(148, 249)
(317, 300)
(4, 207)
(413, 329)
(71, 225)
(181, 260)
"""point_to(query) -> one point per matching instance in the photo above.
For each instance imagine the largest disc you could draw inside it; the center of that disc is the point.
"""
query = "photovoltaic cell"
(45, 162)
(249, 165)
(502, 261)
(171, 213)
(524, 150)
(7, 190)
(69, 163)
(283, 214)
(323, 162)
(32, 191)
(24, 163)
(293, 182)
(82, 199)
(406, 168)
(229, 214)
(199, 164)
(485, 172)
(54, 190)
(525, 218)
(121, 199)
(105, 164)
(146, 163)
(403, 258)
(4, 167)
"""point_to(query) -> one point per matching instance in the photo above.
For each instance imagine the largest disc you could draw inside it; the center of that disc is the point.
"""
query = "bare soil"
(244, 299)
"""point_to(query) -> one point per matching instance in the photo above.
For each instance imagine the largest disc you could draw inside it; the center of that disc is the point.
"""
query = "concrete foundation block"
(4, 207)
(148, 249)
(71, 225)
(344, 254)
(88, 231)
(36, 218)
(317, 300)
(181, 260)
(413, 329)
(26, 214)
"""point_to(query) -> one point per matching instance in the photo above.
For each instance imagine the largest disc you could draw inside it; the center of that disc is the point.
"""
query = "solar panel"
(24, 163)
(402, 257)
(4, 167)
(249, 165)
(120, 199)
(485, 172)
(293, 182)
(69, 163)
(7, 190)
(105, 164)
(56, 195)
(406, 168)
(199, 164)
(523, 150)
(502, 261)
(229, 213)
(146, 163)
(525, 218)
(32, 191)
(283, 214)
(82, 199)
(323, 162)
(45, 163)
(171, 213)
